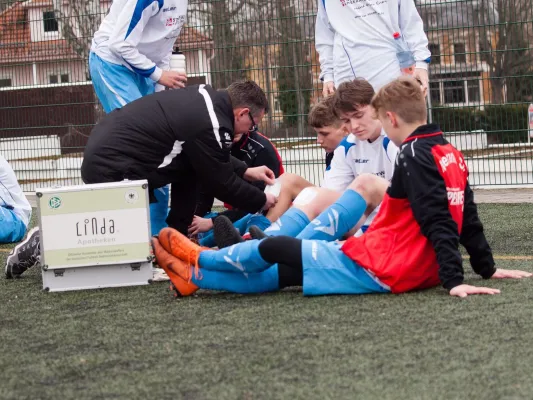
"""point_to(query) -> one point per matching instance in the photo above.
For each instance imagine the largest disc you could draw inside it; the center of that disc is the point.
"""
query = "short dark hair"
(248, 94)
(349, 96)
(404, 97)
(322, 115)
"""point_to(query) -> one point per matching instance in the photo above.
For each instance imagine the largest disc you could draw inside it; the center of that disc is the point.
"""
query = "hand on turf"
(200, 225)
(510, 273)
(261, 173)
(422, 75)
(271, 201)
(465, 290)
(328, 89)
(173, 79)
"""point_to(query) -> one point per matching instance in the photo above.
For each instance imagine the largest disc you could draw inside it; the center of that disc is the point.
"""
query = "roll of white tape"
(274, 189)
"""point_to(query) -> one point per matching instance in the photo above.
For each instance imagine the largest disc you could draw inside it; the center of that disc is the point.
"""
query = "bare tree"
(294, 75)
(221, 18)
(78, 21)
(5, 4)
(505, 45)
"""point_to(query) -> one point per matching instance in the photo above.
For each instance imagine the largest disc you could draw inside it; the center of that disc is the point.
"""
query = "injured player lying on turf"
(412, 244)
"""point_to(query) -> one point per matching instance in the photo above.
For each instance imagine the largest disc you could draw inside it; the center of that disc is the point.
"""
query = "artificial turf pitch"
(139, 343)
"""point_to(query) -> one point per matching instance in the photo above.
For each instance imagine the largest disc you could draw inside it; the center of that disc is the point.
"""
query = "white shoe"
(159, 275)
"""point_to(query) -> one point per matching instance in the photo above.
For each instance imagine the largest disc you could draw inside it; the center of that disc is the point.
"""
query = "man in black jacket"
(182, 137)
(255, 150)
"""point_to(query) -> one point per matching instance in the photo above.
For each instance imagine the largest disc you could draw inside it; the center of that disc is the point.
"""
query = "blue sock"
(260, 282)
(208, 240)
(337, 219)
(242, 223)
(159, 210)
(258, 220)
(289, 224)
(241, 257)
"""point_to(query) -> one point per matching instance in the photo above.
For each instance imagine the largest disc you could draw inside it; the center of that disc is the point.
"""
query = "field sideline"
(138, 343)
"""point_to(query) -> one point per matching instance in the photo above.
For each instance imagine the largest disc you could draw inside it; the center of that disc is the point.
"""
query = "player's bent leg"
(372, 188)
(289, 224)
(351, 209)
(335, 221)
(327, 270)
(291, 186)
(313, 200)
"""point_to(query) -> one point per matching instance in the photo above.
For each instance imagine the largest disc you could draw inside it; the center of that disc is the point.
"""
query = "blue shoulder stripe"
(137, 13)
(386, 142)
(346, 144)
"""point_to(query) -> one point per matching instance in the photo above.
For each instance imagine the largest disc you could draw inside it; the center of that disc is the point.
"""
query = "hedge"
(504, 123)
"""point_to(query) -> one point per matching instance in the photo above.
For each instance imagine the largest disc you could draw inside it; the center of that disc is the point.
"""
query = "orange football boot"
(177, 270)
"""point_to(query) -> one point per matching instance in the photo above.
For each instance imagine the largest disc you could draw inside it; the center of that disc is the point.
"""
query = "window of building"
(274, 72)
(5, 82)
(467, 92)
(473, 91)
(50, 22)
(454, 92)
(459, 52)
(434, 48)
(434, 92)
(60, 78)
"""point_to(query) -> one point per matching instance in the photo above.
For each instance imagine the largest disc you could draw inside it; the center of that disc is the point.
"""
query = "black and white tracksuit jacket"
(176, 136)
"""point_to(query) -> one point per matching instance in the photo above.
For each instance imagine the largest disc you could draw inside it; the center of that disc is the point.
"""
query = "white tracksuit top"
(354, 38)
(11, 194)
(354, 157)
(140, 34)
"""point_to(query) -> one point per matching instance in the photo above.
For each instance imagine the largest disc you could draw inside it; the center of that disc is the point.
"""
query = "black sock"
(287, 253)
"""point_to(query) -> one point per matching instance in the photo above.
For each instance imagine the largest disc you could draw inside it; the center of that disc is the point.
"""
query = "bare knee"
(312, 200)
(294, 183)
(371, 187)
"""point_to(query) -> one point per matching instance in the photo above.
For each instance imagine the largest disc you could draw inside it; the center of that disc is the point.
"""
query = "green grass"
(141, 343)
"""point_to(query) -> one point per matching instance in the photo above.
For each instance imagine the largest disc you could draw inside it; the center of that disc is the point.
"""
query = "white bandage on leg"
(275, 189)
(306, 196)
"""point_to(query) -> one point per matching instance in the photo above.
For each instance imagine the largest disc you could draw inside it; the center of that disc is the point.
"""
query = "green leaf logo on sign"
(54, 203)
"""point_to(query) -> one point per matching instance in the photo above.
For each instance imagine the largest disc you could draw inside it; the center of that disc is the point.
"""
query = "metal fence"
(481, 79)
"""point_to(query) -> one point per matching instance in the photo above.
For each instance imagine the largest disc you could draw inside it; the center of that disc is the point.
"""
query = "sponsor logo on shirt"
(169, 9)
(380, 174)
(360, 160)
(456, 196)
(447, 160)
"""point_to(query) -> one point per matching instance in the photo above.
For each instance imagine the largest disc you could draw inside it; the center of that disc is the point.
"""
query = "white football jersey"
(354, 157)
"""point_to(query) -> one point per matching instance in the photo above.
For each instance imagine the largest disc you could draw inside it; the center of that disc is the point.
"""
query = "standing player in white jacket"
(362, 39)
(131, 50)
(130, 58)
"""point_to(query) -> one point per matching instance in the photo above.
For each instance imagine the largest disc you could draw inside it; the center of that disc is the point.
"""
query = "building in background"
(41, 44)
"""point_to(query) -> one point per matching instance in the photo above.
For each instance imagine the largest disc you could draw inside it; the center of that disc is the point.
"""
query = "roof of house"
(457, 14)
(16, 45)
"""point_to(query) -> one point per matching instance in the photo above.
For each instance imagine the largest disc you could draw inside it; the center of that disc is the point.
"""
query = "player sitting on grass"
(255, 150)
(15, 210)
(365, 150)
(413, 243)
(330, 133)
